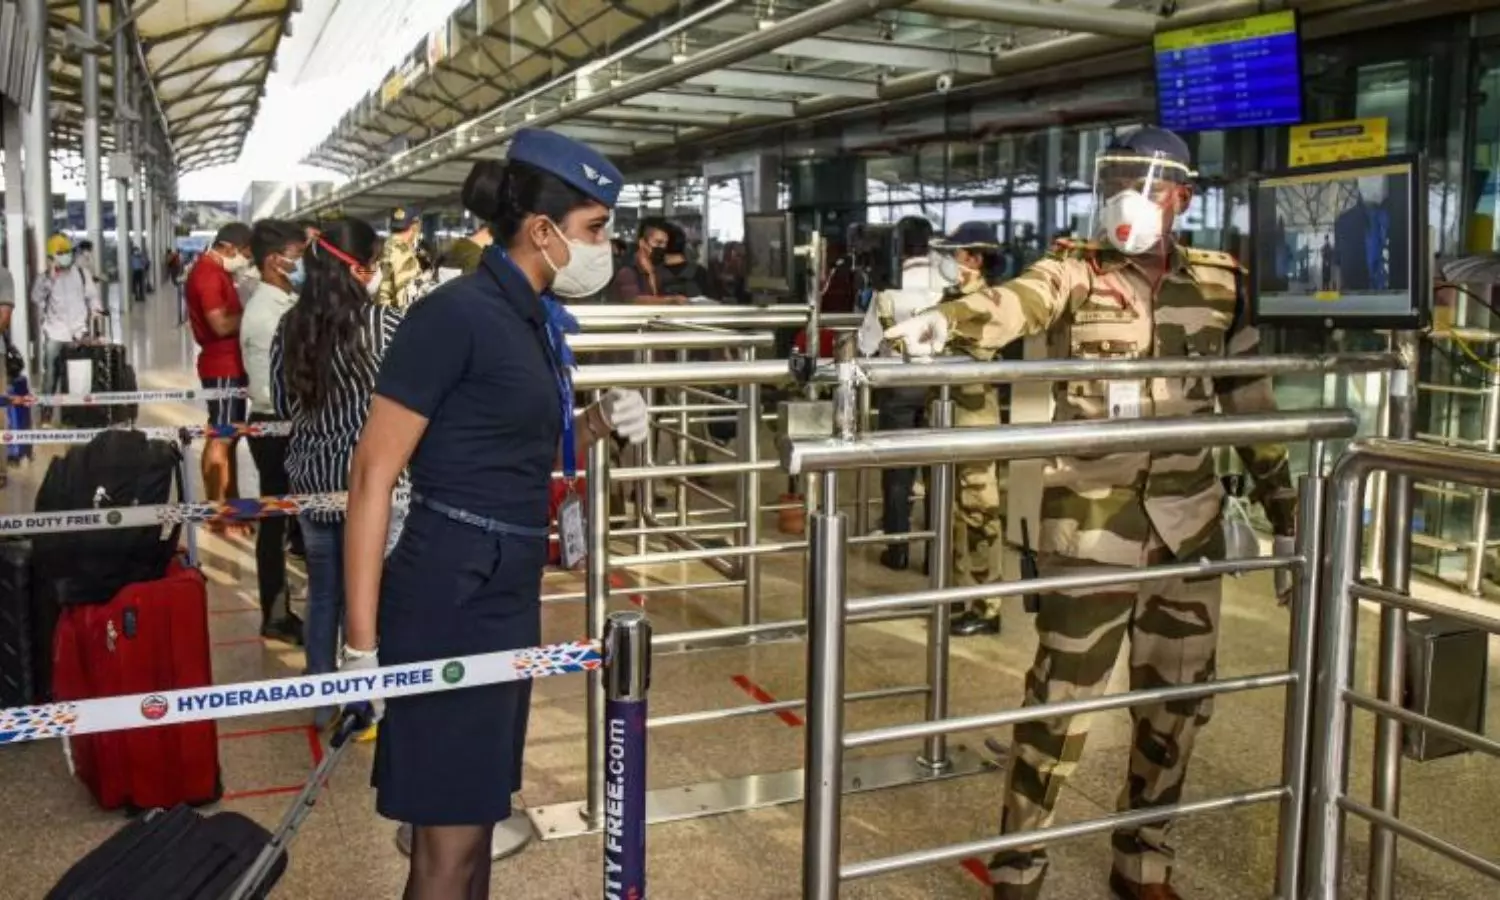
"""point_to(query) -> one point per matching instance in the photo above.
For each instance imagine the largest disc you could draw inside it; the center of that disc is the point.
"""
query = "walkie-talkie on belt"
(1031, 602)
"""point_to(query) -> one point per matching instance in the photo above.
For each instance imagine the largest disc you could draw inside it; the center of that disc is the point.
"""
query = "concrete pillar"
(35, 130)
(92, 176)
(15, 231)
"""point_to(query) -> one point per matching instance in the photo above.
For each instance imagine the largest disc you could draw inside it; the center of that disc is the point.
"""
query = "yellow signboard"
(1330, 142)
(1266, 25)
(392, 89)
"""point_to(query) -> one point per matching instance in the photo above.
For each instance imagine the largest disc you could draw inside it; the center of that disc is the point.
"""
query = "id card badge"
(1124, 399)
(572, 545)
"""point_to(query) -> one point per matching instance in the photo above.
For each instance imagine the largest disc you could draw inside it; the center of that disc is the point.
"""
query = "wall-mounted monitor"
(1339, 245)
(769, 258)
(1243, 73)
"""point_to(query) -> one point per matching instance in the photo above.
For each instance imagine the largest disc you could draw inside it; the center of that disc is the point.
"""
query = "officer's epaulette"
(1212, 258)
(1067, 247)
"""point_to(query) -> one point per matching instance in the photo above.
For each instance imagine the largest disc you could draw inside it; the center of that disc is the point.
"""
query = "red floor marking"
(315, 744)
(231, 796)
(259, 732)
(758, 694)
(978, 869)
(619, 581)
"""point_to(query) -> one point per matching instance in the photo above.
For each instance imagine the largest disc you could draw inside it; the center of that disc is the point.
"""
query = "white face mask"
(1131, 222)
(373, 285)
(234, 265)
(590, 268)
(948, 269)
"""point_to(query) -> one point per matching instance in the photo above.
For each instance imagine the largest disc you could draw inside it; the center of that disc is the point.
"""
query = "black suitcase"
(181, 854)
(110, 373)
(18, 656)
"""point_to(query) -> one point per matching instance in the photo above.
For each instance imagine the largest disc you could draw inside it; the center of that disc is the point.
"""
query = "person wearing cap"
(399, 265)
(1132, 292)
(962, 259)
(65, 300)
(465, 576)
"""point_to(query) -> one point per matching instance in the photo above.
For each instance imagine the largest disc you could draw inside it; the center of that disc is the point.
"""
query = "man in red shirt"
(214, 310)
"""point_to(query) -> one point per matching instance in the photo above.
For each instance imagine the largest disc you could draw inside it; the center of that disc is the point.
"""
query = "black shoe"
(288, 630)
(971, 624)
(897, 559)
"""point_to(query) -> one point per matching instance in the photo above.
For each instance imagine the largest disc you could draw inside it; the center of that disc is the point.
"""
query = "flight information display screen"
(1337, 245)
(1238, 74)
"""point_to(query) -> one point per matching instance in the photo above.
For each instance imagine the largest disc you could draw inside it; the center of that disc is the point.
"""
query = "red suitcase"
(153, 636)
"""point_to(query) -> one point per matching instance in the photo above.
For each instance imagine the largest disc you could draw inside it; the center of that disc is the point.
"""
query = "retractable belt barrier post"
(627, 678)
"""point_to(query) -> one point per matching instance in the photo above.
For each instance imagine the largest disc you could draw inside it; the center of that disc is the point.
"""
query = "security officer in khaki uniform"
(963, 260)
(1135, 293)
(398, 261)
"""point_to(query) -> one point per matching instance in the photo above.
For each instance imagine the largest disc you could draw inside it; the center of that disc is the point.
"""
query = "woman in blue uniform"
(474, 396)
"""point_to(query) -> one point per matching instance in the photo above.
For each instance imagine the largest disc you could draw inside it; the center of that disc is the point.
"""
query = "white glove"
(359, 660)
(1285, 578)
(625, 413)
(923, 335)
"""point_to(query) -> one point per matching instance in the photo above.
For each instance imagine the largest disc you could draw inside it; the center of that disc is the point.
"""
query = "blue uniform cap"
(574, 162)
(970, 235)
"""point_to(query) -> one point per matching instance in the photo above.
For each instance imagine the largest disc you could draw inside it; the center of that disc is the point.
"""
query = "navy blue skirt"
(449, 589)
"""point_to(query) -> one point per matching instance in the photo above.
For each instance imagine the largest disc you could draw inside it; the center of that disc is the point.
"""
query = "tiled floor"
(48, 821)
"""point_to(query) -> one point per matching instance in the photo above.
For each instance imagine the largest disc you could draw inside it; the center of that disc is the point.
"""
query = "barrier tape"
(252, 698)
(123, 398)
(156, 432)
(245, 509)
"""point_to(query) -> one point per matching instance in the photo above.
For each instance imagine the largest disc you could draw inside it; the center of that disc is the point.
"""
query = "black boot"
(972, 623)
(287, 629)
(896, 558)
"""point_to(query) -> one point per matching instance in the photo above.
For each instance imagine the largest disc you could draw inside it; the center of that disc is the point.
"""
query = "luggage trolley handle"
(251, 883)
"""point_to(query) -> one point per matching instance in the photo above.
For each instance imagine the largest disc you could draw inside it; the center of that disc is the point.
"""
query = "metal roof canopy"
(207, 60)
(717, 70)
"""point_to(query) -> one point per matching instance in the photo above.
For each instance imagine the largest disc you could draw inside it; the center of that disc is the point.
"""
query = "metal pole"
(939, 560)
(823, 778)
(1474, 581)
(682, 450)
(862, 477)
(36, 126)
(1336, 658)
(120, 172)
(1390, 680)
(627, 675)
(15, 237)
(147, 214)
(750, 493)
(93, 213)
(1296, 750)
(645, 492)
(815, 250)
(596, 606)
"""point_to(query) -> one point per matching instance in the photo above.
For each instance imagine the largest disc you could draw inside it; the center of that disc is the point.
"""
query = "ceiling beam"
(788, 83)
(747, 106)
(890, 53)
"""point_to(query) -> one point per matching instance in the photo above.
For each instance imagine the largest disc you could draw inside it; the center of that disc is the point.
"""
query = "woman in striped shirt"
(324, 360)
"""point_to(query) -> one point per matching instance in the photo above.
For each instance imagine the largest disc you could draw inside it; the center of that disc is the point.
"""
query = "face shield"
(1131, 192)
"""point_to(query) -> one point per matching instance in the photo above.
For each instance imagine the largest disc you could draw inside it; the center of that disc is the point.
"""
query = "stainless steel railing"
(829, 610)
(1337, 698)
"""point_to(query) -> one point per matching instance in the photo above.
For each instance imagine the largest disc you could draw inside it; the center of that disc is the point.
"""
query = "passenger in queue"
(639, 280)
(324, 360)
(679, 275)
(963, 259)
(277, 248)
(465, 576)
(214, 311)
(64, 299)
(905, 407)
(1133, 292)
